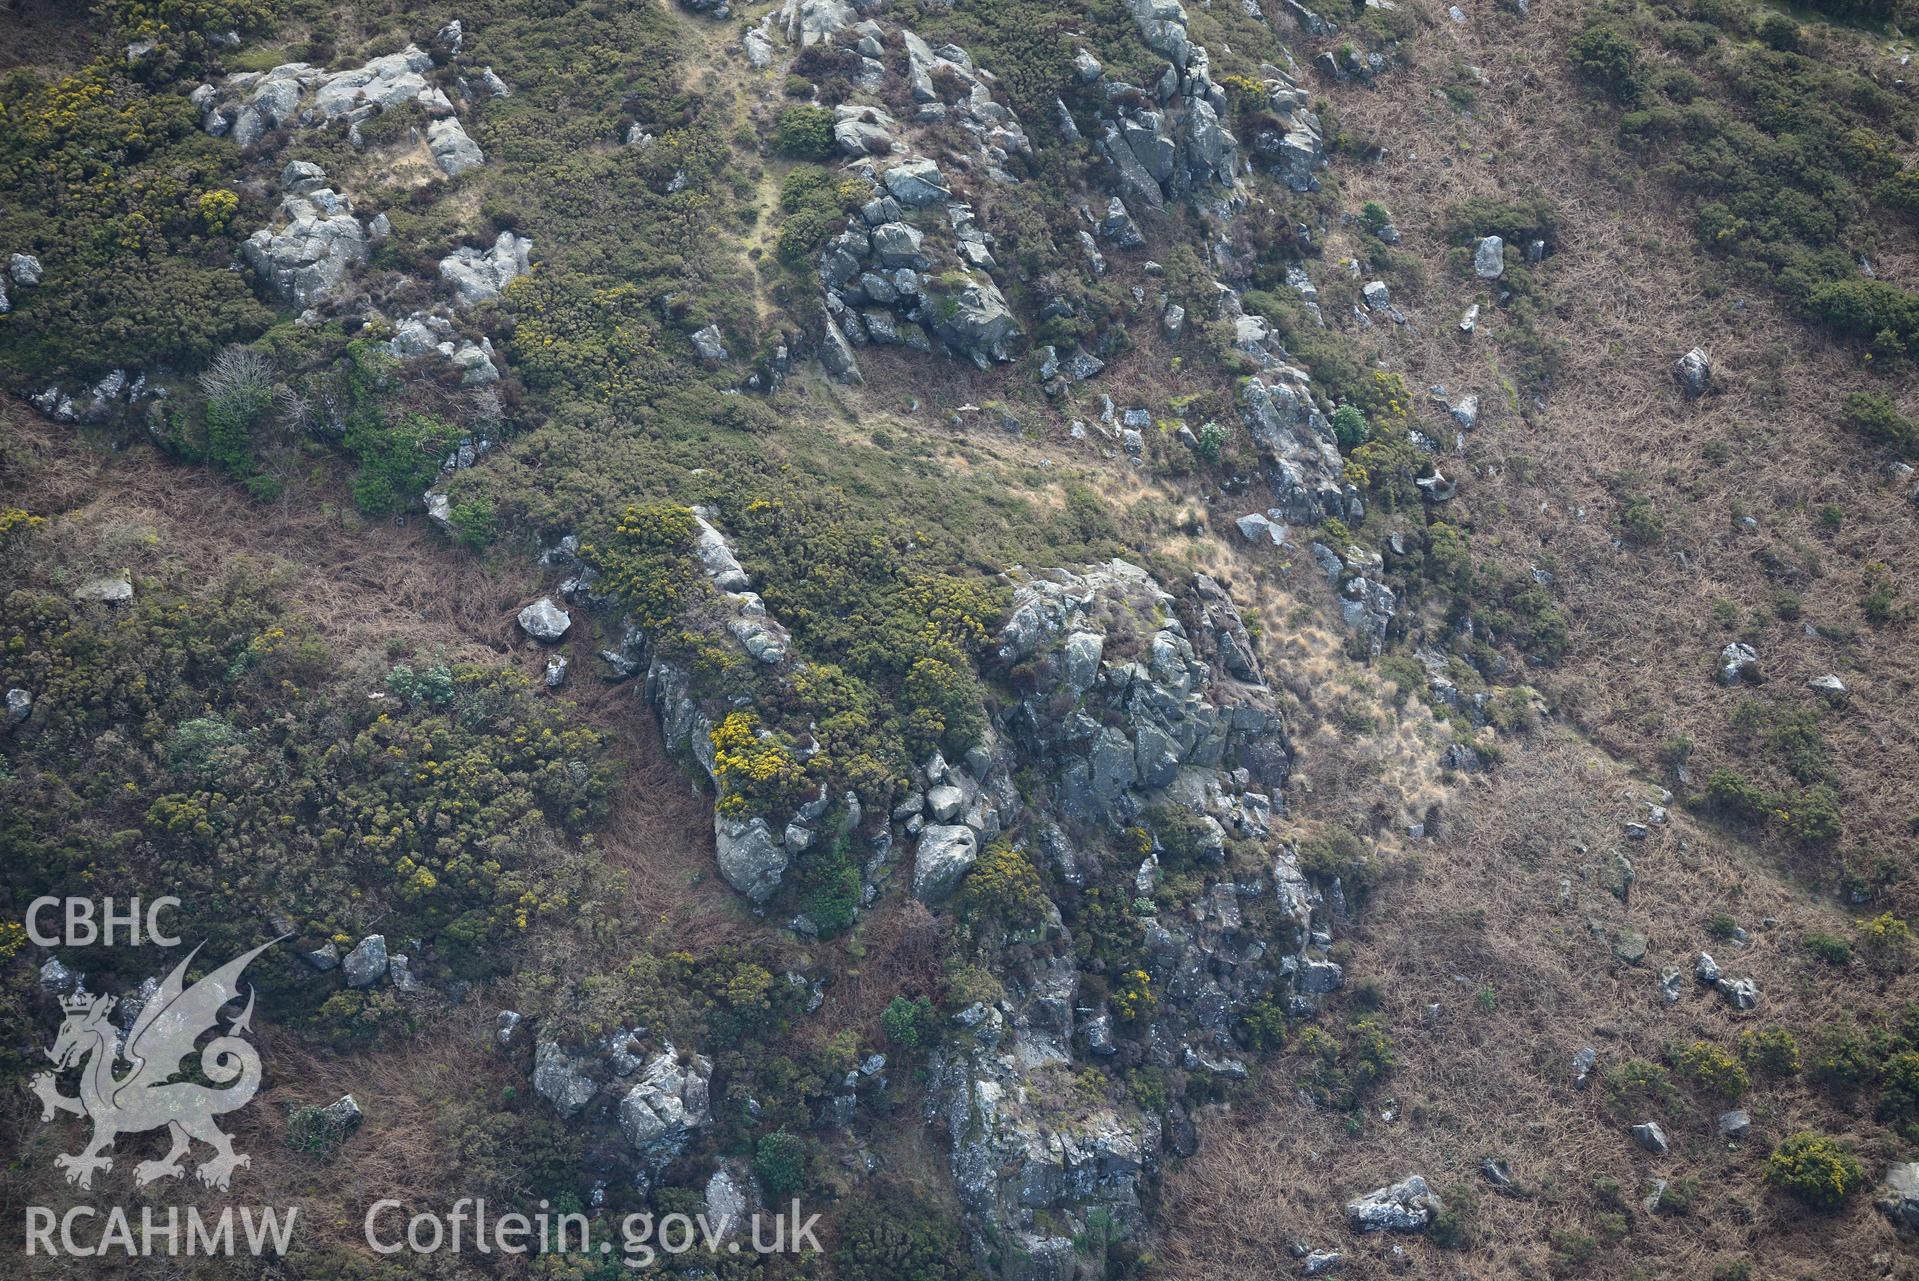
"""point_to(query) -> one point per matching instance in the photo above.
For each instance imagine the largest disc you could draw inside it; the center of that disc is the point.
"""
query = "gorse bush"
(254, 777)
(1609, 59)
(107, 181)
(1004, 884)
(1816, 1169)
(1710, 1068)
(1773, 1051)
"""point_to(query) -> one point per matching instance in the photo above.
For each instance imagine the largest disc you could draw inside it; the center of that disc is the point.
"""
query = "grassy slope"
(1627, 291)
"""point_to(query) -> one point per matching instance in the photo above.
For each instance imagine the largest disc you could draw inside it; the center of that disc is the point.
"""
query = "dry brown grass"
(1632, 290)
(1481, 911)
(1631, 293)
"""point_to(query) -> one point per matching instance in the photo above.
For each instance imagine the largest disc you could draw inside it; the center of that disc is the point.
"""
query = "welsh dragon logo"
(146, 1097)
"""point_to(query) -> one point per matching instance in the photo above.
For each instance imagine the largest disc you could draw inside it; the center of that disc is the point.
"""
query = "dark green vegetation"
(204, 739)
(1789, 155)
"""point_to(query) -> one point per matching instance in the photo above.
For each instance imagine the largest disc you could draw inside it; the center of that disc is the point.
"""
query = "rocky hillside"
(1099, 639)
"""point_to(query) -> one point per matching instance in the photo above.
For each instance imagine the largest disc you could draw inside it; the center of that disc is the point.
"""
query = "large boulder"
(1489, 258)
(945, 855)
(452, 149)
(974, 320)
(545, 621)
(1694, 371)
(915, 182)
(1899, 1198)
(366, 964)
(750, 856)
(561, 1079)
(669, 1101)
(1407, 1206)
(479, 274)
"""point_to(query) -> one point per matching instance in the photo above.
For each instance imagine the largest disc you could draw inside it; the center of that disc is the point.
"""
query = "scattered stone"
(555, 671)
(1489, 257)
(1694, 370)
(1650, 1136)
(1738, 662)
(1705, 969)
(25, 270)
(1735, 1124)
(1469, 320)
(19, 705)
(506, 1026)
(1630, 946)
(1741, 994)
(1829, 686)
(1583, 1062)
(1672, 984)
(1319, 1263)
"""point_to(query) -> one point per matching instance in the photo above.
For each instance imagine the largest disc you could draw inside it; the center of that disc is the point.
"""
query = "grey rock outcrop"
(750, 856)
(452, 149)
(1298, 450)
(306, 259)
(423, 334)
(1407, 1206)
(561, 1079)
(670, 1100)
(479, 274)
